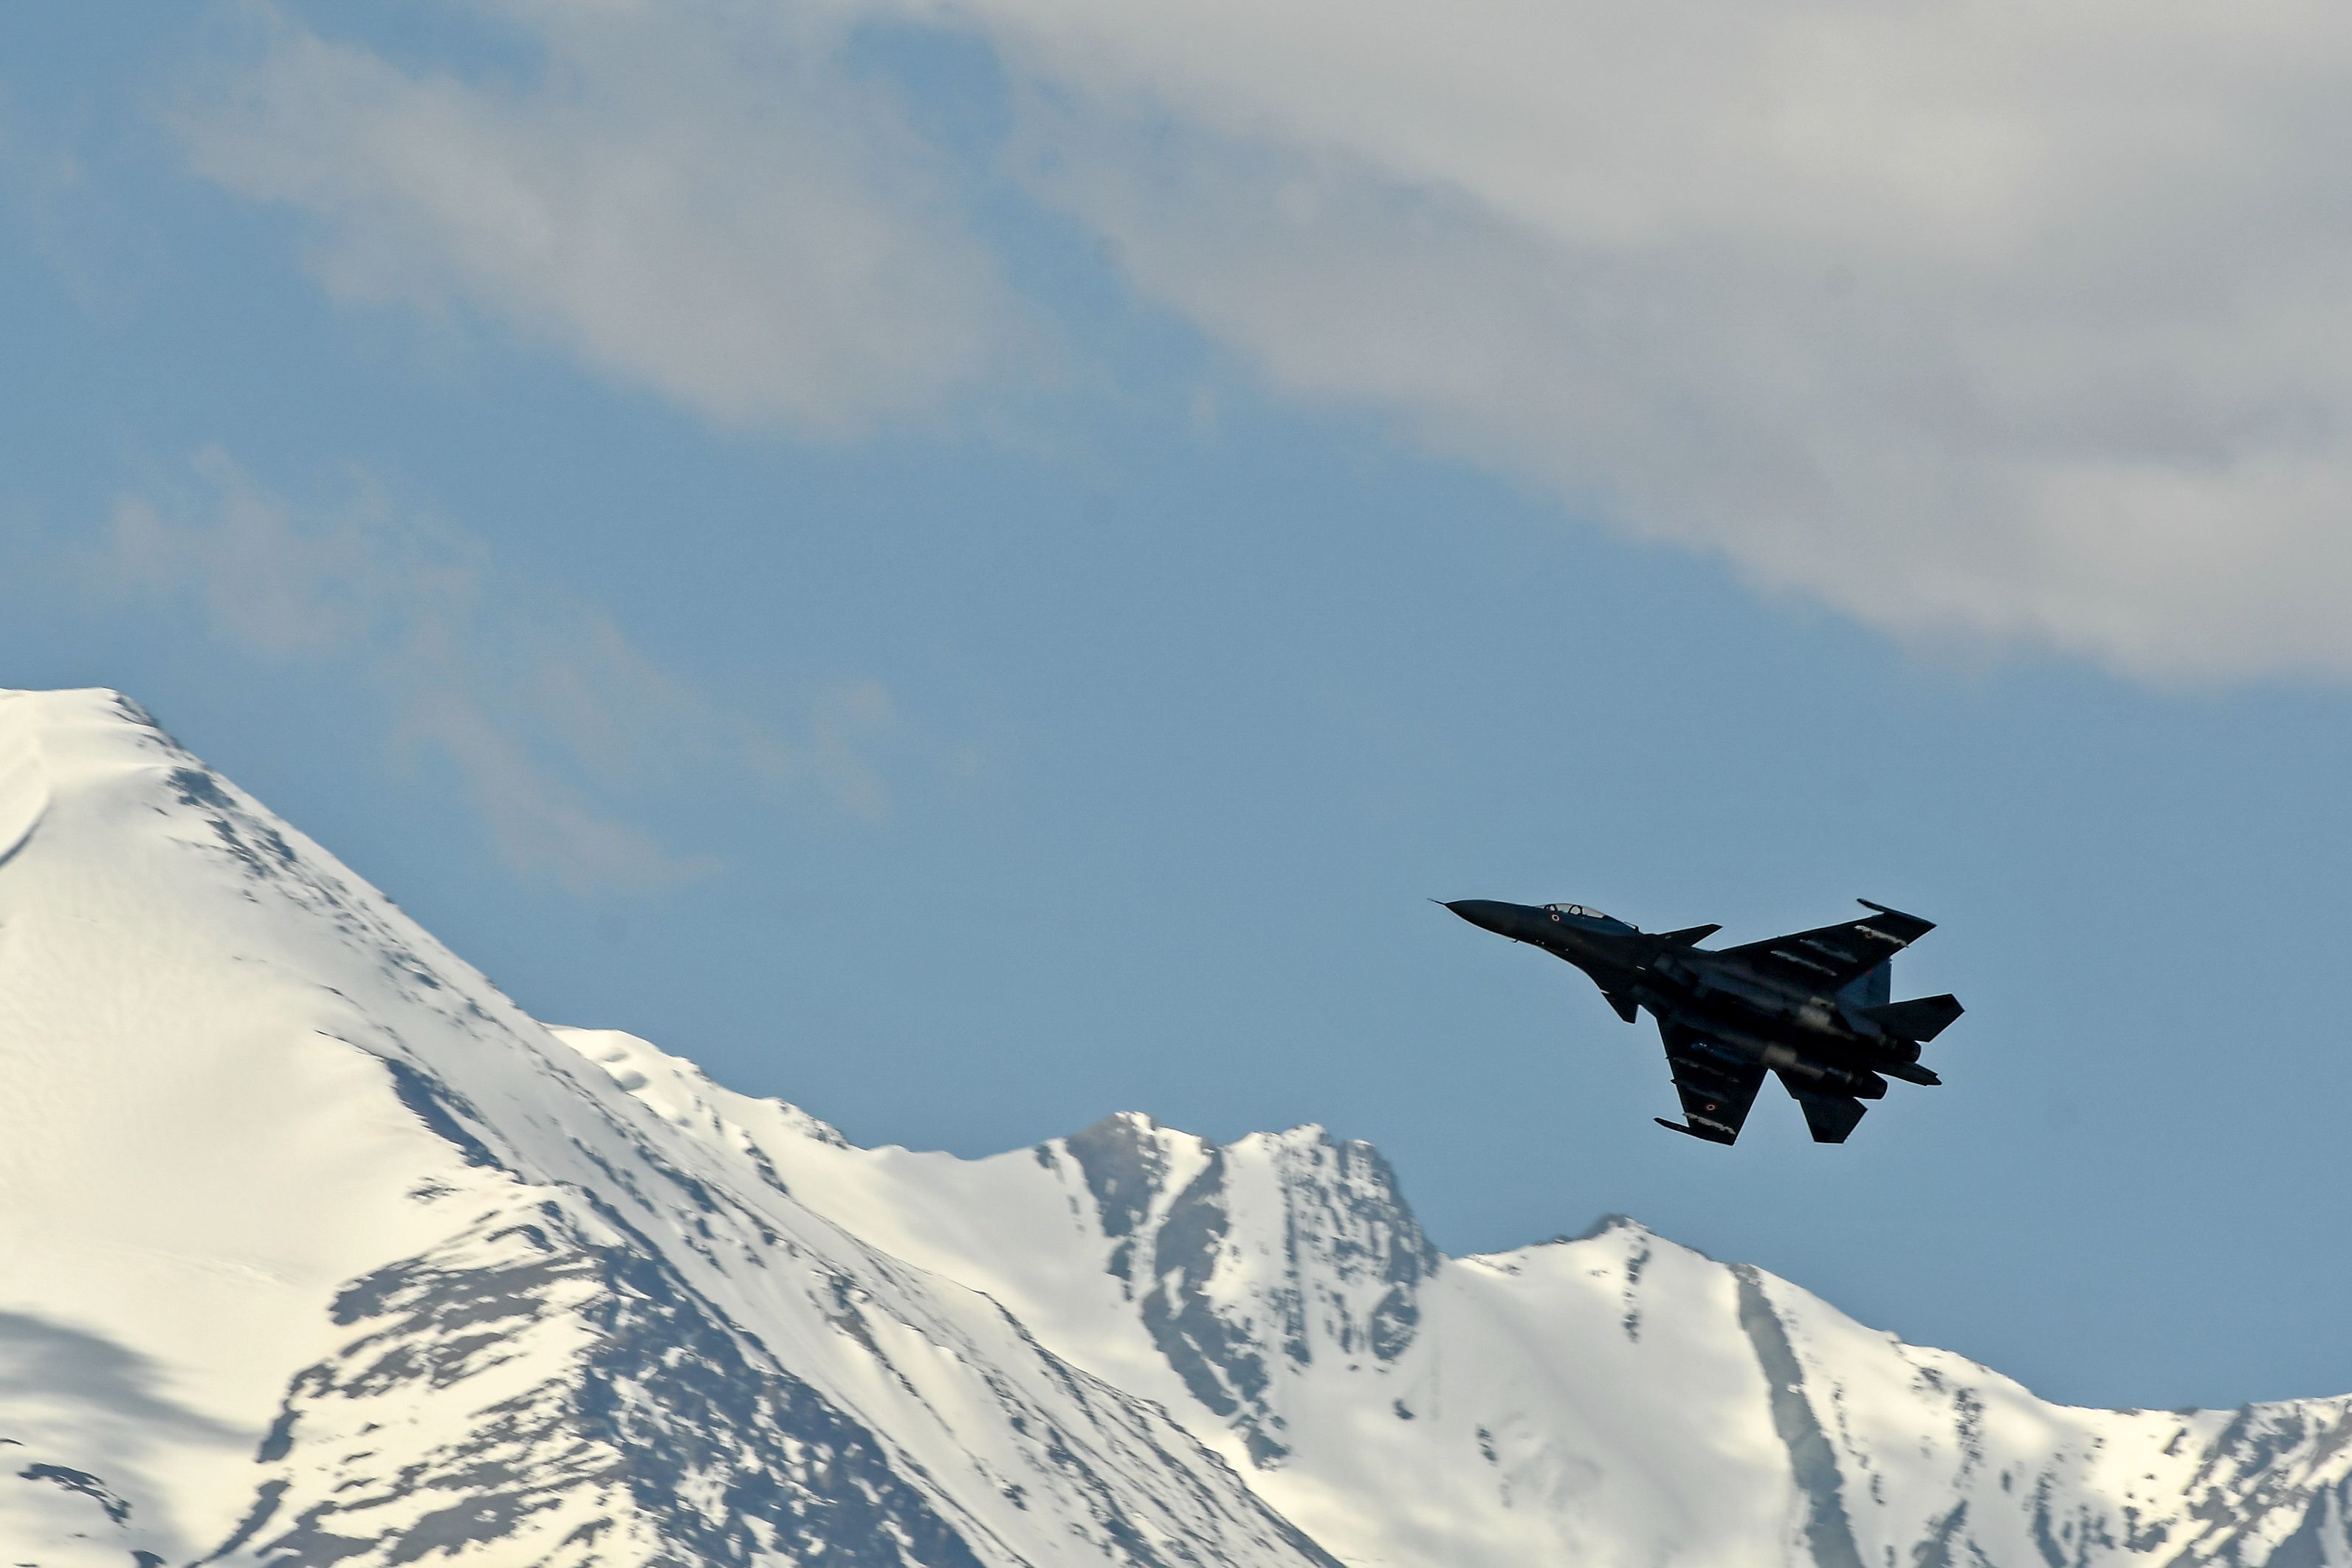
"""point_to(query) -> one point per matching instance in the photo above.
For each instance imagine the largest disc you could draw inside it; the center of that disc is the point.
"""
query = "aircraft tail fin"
(1921, 1018)
(1874, 988)
(1829, 1117)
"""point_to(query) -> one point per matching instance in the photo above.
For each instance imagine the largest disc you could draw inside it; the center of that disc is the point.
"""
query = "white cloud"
(699, 203)
(550, 719)
(2013, 323)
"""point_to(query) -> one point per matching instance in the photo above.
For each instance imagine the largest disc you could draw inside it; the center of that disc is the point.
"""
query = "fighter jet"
(1812, 1007)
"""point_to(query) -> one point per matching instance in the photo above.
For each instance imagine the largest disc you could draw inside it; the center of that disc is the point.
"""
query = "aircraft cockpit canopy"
(1583, 914)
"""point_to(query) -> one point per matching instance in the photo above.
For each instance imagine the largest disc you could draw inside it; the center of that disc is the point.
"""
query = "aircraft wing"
(1717, 1087)
(1829, 958)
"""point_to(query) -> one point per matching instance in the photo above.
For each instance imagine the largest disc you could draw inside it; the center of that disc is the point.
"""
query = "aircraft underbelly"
(1767, 1034)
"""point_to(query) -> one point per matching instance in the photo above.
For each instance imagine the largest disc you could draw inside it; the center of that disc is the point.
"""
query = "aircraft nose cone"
(1486, 914)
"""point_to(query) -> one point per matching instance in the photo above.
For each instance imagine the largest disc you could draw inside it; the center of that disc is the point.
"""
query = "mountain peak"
(387, 1268)
(1605, 1225)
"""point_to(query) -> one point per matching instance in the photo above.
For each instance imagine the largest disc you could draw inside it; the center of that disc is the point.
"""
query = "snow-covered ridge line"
(1852, 1442)
(431, 1280)
(319, 1250)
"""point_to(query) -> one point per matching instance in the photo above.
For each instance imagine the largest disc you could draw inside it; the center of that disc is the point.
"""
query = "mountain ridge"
(324, 1252)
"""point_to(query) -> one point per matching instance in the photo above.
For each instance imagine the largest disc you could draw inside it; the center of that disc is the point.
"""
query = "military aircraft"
(1813, 1007)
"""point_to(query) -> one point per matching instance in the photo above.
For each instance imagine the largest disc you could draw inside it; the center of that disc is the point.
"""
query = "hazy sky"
(973, 564)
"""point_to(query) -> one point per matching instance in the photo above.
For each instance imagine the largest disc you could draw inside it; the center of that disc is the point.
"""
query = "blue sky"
(970, 570)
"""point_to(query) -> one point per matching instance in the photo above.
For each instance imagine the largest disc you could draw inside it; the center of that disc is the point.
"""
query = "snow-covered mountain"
(315, 1249)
